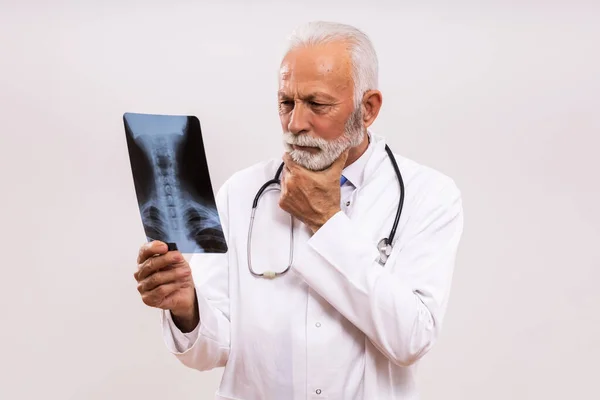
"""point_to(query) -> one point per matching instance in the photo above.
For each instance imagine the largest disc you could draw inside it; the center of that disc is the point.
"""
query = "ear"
(372, 100)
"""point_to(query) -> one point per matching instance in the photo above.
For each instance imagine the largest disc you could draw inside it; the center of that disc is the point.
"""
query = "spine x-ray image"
(172, 182)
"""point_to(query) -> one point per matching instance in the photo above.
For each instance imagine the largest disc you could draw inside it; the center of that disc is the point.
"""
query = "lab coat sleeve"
(207, 346)
(177, 341)
(399, 306)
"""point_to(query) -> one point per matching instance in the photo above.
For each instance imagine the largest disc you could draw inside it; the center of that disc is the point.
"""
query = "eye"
(286, 104)
(318, 107)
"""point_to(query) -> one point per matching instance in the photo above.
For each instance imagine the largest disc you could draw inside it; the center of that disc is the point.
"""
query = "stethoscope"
(384, 246)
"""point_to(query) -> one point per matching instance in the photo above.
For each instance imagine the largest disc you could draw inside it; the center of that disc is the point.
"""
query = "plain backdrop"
(502, 96)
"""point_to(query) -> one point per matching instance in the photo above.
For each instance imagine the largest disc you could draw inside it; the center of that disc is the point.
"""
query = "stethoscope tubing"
(385, 245)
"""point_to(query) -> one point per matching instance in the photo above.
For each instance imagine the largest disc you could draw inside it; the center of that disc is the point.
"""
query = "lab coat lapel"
(374, 209)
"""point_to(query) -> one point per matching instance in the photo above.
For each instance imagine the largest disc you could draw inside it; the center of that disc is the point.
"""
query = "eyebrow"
(309, 97)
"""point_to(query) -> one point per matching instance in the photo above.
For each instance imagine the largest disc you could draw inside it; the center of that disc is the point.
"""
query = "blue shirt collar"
(354, 173)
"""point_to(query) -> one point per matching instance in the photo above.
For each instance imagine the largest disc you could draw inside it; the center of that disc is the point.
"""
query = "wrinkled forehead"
(325, 66)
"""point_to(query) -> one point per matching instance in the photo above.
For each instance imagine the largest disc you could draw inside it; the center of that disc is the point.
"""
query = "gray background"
(502, 96)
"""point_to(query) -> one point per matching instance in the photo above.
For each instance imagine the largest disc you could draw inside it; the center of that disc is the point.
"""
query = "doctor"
(338, 324)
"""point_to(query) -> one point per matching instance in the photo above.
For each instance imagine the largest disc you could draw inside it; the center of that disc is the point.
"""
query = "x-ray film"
(172, 182)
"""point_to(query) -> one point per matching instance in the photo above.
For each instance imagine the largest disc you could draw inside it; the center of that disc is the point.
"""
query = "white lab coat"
(338, 325)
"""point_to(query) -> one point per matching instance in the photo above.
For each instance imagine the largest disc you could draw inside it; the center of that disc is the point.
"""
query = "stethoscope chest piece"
(385, 249)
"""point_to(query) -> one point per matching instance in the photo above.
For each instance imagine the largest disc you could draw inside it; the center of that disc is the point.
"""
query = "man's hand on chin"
(311, 196)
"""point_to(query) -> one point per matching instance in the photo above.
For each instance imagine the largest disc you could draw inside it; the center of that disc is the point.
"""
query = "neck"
(355, 152)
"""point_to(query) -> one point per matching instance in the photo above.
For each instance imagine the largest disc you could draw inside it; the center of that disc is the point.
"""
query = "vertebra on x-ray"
(172, 182)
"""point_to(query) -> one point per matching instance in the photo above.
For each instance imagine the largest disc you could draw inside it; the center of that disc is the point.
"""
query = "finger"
(286, 182)
(150, 249)
(162, 262)
(154, 264)
(156, 297)
(287, 158)
(171, 301)
(289, 162)
(286, 172)
(285, 176)
(162, 278)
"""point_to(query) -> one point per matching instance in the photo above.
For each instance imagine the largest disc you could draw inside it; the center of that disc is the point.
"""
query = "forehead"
(324, 67)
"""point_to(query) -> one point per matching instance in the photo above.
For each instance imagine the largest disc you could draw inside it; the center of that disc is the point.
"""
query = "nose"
(299, 119)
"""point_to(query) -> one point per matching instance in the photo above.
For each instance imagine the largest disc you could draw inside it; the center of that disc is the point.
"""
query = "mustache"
(304, 140)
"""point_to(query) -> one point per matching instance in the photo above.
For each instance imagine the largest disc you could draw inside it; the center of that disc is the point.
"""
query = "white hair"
(363, 56)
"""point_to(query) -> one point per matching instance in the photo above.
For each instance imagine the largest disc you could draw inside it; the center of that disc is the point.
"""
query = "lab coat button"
(318, 324)
(318, 391)
(347, 203)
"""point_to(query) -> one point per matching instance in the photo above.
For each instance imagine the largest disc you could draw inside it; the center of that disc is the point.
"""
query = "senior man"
(345, 321)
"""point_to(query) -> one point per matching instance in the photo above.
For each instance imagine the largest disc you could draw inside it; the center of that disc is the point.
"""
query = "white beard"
(329, 150)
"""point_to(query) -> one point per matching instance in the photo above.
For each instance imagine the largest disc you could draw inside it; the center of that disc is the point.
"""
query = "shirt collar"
(355, 172)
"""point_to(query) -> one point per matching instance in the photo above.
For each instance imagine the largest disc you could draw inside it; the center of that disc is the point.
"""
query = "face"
(316, 105)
